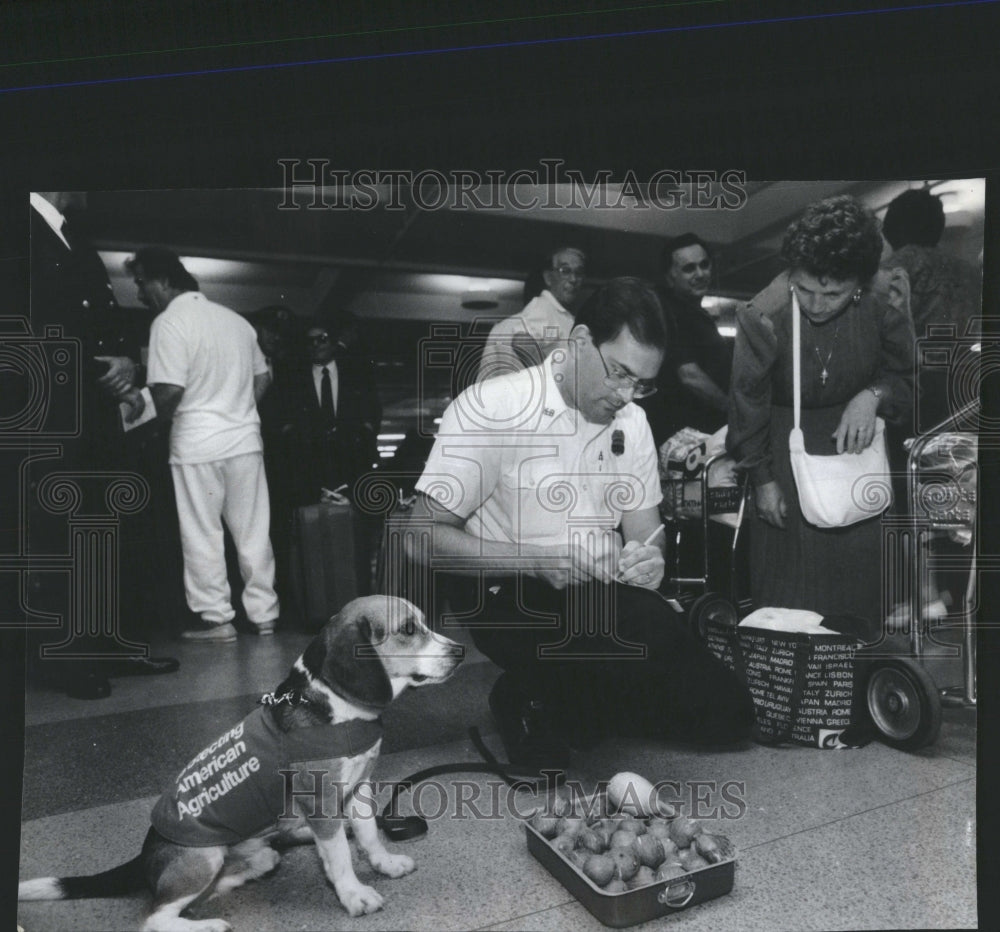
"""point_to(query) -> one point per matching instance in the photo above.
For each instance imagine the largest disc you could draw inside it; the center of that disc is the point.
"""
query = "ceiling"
(405, 258)
(405, 261)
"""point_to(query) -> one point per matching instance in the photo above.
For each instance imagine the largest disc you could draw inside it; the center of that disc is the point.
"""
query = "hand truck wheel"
(711, 607)
(904, 703)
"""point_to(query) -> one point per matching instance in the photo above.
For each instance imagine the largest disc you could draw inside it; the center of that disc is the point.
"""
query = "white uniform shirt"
(543, 323)
(521, 466)
(213, 354)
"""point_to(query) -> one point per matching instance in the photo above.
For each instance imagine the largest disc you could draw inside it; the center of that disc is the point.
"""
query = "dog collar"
(292, 697)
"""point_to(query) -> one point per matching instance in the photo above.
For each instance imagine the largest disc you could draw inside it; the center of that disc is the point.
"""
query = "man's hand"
(856, 429)
(641, 565)
(136, 405)
(334, 496)
(120, 376)
(770, 503)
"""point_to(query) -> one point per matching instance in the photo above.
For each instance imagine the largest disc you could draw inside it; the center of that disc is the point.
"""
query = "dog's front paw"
(360, 900)
(393, 865)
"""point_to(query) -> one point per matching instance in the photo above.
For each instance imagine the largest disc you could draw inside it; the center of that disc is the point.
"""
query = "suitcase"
(323, 560)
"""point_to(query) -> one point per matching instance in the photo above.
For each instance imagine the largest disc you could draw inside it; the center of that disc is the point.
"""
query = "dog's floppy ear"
(349, 664)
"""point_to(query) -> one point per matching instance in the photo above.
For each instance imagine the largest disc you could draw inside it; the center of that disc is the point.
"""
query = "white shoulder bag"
(839, 490)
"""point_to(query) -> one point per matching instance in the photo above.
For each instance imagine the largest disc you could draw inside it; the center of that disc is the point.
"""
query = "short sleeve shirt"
(696, 339)
(521, 466)
(213, 354)
(527, 337)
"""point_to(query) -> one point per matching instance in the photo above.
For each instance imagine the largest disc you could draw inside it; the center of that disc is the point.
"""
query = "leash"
(400, 828)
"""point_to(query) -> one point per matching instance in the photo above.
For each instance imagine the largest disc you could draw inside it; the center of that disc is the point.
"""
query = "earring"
(856, 297)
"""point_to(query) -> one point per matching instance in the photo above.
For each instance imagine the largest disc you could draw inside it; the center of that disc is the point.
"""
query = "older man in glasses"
(526, 338)
(540, 504)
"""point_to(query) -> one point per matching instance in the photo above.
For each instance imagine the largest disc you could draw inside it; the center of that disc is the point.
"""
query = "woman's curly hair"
(838, 238)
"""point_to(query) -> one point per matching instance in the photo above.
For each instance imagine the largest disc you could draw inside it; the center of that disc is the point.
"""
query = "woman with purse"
(855, 369)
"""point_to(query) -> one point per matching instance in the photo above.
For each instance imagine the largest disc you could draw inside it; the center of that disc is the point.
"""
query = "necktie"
(326, 395)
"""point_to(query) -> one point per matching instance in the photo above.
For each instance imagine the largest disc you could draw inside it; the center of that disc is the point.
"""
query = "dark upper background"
(905, 94)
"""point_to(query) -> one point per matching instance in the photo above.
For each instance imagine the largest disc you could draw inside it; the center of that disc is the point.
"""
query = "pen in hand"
(645, 543)
(649, 539)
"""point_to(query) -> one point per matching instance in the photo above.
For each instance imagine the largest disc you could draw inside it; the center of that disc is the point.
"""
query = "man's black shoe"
(525, 729)
(139, 666)
(87, 686)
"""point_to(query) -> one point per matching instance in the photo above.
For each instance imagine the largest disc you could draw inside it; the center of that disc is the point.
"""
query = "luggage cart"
(942, 490)
(690, 501)
(902, 698)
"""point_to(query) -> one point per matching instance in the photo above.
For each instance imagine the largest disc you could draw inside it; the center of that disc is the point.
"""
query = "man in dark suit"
(335, 414)
(331, 417)
(70, 288)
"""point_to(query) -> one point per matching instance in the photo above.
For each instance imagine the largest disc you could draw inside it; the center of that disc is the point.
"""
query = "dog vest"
(234, 788)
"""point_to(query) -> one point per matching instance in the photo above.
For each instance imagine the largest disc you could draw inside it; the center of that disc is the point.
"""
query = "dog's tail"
(125, 878)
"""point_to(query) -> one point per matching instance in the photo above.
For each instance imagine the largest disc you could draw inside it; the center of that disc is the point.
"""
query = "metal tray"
(634, 906)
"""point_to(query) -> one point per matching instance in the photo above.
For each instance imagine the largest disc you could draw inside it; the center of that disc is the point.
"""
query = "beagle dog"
(291, 771)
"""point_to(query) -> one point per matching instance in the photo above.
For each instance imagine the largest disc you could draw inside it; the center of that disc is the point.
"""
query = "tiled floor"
(872, 838)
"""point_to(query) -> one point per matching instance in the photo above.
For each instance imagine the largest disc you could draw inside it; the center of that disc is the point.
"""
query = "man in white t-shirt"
(527, 337)
(206, 372)
(540, 503)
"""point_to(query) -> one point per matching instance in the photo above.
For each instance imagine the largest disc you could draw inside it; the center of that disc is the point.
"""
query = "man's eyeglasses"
(621, 381)
(569, 271)
(318, 339)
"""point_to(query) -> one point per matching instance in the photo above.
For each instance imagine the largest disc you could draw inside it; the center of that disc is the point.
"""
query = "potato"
(683, 831)
(545, 825)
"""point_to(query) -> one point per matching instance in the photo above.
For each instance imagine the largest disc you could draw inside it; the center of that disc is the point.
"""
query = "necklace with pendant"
(825, 373)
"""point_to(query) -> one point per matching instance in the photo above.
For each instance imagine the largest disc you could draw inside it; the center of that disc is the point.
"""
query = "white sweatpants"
(234, 490)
